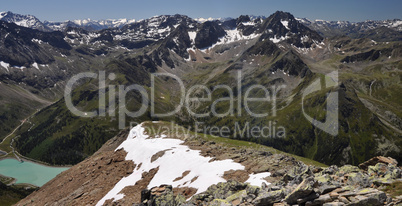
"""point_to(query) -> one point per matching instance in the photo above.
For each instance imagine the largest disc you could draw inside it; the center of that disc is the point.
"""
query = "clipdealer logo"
(331, 123)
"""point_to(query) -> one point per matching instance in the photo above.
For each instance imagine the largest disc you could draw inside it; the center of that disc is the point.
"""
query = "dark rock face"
(20, 45)
(208, 34)
(376, 30)
(371, 55)
(31, 21)
(243, 18)
(178, 41)
(249, 28)
(382, 34)
(265, 47)
(291, 64)
(229, 24)
(283, 24)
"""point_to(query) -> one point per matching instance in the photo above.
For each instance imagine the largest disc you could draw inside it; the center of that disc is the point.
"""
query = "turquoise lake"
(29, 172)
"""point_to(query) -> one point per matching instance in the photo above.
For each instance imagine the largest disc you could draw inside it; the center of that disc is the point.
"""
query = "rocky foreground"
(292, 182)
(304, 185)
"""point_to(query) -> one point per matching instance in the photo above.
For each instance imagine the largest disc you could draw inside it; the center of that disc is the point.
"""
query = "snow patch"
(189, 55)
(35, 65)
(231, 36)
(72, 33)
(258, 179)
(192, 35)
(37, 41)
(202, 20)
(277, 40)
(397, 23)
(176, 159)
(248, 23)
(5, 65)
(285, 23)
(304, 38)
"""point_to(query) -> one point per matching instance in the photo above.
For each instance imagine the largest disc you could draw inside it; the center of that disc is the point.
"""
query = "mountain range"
(279, 51)
(30, 21)
(325, 28)
(273, 51)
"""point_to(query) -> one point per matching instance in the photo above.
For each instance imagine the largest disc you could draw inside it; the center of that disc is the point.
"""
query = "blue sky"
(352, 10)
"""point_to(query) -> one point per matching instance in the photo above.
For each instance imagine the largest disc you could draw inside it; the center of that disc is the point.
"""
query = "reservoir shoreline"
(28, 172)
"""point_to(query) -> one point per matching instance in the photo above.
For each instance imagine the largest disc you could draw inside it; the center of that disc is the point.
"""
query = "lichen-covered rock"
(268, 198)
(347, 169)
(302, 190)
(237, 197)
(374, 199)
(346, 185)
(324, 189)
(223, 190)
(357, 179)
(320, 200)
(323, 179)
(375, 160)
(180, 199)
(219, 202)
(296, 174)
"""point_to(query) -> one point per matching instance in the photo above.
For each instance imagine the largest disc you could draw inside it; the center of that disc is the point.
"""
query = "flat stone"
(327, 188)
(334, 204)
(312, 196)
(334, 195)
(267, 198)
(344, 200)
(322, 199)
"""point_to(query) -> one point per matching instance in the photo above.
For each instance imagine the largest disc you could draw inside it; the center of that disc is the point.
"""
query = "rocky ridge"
(303, 185)
(292, 181)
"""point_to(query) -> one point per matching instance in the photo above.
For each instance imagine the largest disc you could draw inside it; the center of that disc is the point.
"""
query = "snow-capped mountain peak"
(330, 28)
(90, 24)
(107, 23)
(29, 21)
(32, 22)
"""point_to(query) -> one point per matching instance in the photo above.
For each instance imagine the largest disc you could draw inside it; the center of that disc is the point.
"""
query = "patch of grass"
(180, 131)
(6, 180)
(394, 189)
(10, 195)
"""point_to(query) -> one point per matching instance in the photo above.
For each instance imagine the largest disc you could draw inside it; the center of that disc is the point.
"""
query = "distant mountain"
(89, 24)
(29, 21)
(354, 30)
(32, 22)
(273, 51)
(325, 28)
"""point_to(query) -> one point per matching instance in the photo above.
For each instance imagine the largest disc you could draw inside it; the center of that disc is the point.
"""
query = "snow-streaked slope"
(29, 21)
(177, 158)
(89, 24)
(318, 24)
(231, 36)
(202, 20)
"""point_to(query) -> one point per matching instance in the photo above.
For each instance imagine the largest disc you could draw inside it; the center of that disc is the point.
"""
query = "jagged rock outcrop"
(208, 34)
(283, 25)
